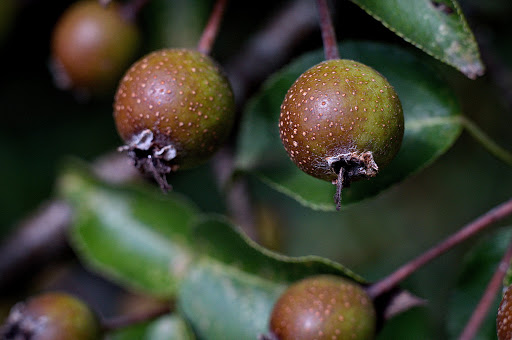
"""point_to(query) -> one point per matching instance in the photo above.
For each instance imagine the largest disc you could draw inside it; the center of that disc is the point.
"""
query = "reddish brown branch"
(212, 27)
(42, 237)
(501, 211)
(494, 286)
(123, 321)
(328, 34)
(36, 241)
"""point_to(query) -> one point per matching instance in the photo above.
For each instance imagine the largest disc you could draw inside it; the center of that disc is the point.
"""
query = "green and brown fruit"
(504, 317)
(174, 108)
(341, 121)
(51, 316)
(92, 46)
(323, 307)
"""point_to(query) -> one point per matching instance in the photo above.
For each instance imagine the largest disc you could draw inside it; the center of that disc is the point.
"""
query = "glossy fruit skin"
(504, 317)
(340, 107)
(180, 97)
(52, 316)
(92, 46)
(323, 307)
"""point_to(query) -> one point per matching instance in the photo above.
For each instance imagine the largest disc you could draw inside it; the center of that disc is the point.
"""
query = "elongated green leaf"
(431, 126)
(478, 268)
(238, 251)
(436, 26)
(138, 238)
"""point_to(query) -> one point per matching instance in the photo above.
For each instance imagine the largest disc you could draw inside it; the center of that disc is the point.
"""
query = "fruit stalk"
(497, 213)
(212, 27)
(487, 299)
(327, 28)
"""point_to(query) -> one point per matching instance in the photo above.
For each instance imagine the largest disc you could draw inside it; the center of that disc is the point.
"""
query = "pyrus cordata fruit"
(174, 108)
(91, 47)
(323, 307)
(51, 316)
(341, 121)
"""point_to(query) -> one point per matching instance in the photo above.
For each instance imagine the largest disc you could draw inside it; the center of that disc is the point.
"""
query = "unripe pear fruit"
(92, 46)
(174, 108)
(504, 317)
(51, 316)
(341, 121)
(323, 307)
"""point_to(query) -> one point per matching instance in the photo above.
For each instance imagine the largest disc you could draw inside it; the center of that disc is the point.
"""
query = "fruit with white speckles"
(323, 307)
(341, 121)
(174, 108)
(91, 47)
(51, 316)
(504, 317)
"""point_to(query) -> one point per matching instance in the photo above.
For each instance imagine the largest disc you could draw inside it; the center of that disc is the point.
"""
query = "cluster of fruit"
(174, 108)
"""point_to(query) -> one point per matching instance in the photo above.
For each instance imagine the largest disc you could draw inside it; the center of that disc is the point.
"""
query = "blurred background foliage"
(41, 125)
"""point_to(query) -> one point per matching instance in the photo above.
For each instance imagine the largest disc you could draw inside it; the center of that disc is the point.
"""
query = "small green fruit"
(341, 121)
(174, 108)
(323, 307)
(92, 46)
(51, 316)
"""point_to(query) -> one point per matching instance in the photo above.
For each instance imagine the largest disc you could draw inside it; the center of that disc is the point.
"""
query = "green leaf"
(230, 293)
(224, 303)
(136, 237)
(217, 239)
(432, 124)
(436, 26)
(169, 327)
(478, 267)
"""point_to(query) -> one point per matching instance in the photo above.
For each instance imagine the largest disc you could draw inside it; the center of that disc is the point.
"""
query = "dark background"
(42, 125)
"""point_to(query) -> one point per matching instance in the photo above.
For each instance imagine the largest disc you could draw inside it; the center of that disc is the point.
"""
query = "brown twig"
(36, 241)
(212, 27)
(131, 9)
(328, 34)
(123, 321)
(480, 312)
(501, 211)
(42, 237)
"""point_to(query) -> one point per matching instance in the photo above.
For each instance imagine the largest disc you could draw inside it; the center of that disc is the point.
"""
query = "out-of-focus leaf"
(225, 284)
(225, 303)
(431, 126)
(436, 26)
(230, 293)
(136, 237)
(217, 239)
(169, 327)
(478, 268)
(134, 332)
